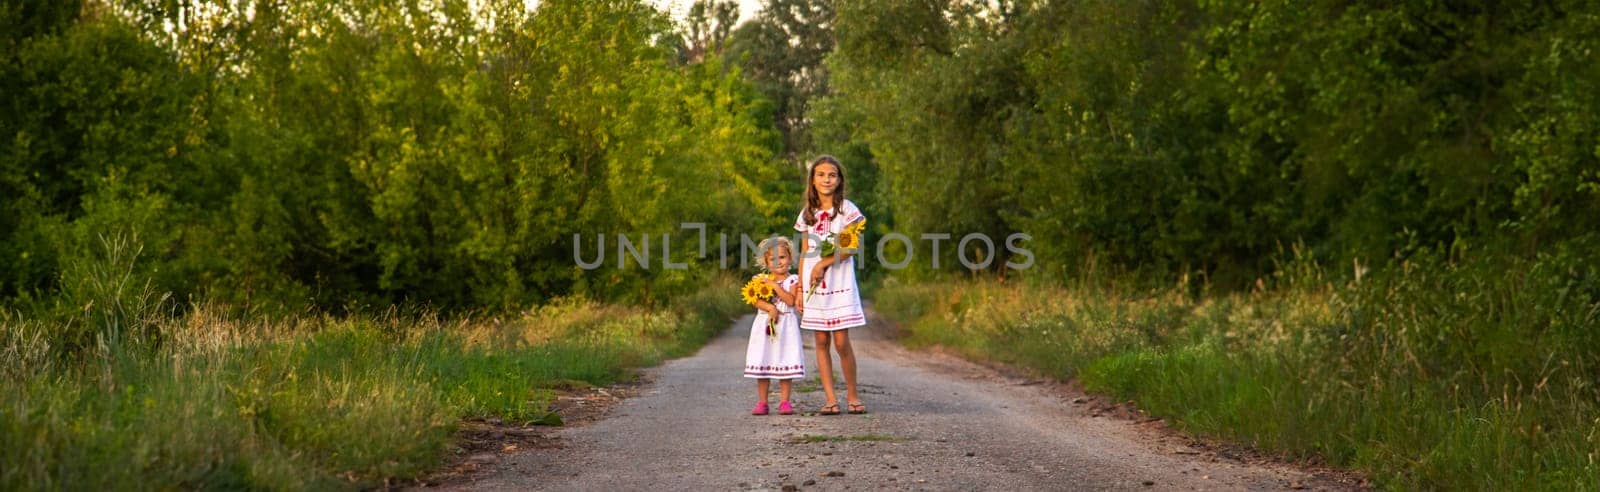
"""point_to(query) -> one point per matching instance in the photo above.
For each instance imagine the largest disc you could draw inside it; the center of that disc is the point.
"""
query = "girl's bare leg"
(825, 367)
(847, 362)
(783, 389)
(763, 386)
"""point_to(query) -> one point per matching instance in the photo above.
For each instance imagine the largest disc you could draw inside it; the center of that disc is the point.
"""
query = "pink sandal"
(785, 408)
(761, 409)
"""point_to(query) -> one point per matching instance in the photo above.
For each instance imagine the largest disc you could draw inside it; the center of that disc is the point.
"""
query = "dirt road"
(936, 423)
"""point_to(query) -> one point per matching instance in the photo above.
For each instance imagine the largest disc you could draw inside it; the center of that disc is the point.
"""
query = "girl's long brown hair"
(814, 201)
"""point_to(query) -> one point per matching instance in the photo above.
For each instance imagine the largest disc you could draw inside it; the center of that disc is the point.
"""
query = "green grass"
(809, 385)
(813, 384)
(309, 401)
(811, 438)
(1455, 376)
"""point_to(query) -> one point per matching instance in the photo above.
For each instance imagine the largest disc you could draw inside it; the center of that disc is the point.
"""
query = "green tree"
(930, 100)
(782, 51)
(350, 153)
(706, 29)
(1210, 137)
(100, 138)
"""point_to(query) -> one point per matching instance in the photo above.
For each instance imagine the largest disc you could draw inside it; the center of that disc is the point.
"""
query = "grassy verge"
(206, 401)
(1454, 377)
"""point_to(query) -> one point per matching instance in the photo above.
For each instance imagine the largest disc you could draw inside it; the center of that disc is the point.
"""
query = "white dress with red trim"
(781, 356)
(836, 304)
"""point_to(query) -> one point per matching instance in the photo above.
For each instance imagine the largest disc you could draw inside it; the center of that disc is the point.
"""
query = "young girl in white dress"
(832, 301)
(780, 356)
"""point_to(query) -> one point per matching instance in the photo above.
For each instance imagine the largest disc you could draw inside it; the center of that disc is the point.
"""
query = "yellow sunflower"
(856, 227)
(751, 292)
(763, 290)
(849, 240)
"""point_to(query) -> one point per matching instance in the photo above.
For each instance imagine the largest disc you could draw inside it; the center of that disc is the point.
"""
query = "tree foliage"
(368, 151)
(781, 51)
(1211, 136)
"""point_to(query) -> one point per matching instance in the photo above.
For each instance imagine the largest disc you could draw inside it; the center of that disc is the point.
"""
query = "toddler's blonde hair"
(764, 250)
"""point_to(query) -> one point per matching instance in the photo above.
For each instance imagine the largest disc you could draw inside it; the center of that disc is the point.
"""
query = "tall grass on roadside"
(1471, 375)
(217, 400)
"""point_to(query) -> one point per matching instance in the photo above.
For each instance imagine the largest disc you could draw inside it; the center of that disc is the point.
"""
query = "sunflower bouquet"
(757, 290)
(847, 240)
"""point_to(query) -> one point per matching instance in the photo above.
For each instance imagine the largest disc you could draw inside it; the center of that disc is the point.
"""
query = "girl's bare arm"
(770, 309)
(837, 257)
(821, 268)
(785, 296)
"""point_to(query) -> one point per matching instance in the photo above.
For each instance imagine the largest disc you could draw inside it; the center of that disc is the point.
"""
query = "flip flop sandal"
(829, 410)
(858, 408)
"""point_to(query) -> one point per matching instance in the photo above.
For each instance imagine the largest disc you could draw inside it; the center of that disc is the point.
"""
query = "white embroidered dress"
(836, 305)
(781, 356)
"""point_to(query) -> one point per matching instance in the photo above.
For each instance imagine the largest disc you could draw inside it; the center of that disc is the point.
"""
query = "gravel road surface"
(936, 423)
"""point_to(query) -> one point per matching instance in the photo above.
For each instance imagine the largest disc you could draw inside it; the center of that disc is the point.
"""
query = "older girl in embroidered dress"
(832, 301)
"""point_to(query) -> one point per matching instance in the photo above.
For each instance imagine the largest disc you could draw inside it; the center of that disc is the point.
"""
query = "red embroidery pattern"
(825, 218)
(822, 289)
(774, 368)
(822, 223)
(833, 322)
